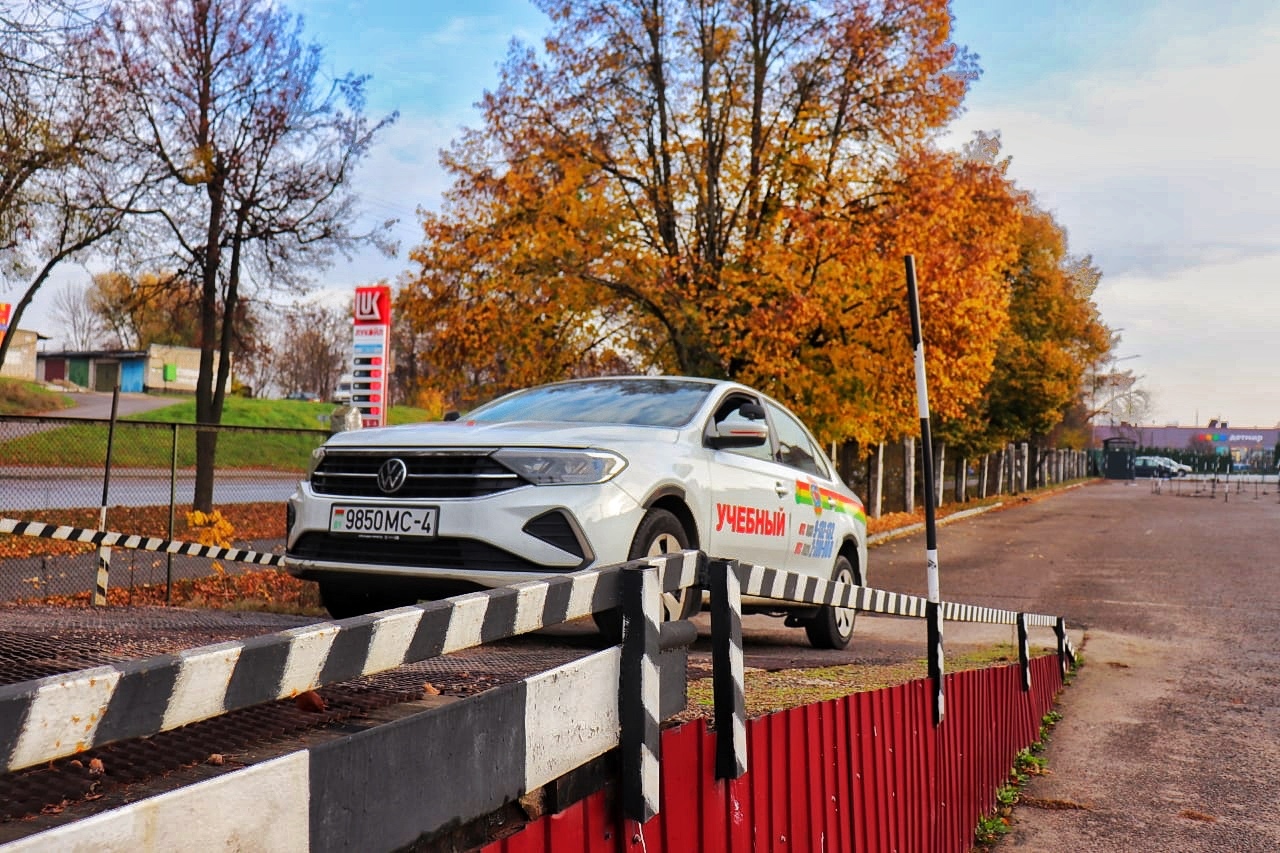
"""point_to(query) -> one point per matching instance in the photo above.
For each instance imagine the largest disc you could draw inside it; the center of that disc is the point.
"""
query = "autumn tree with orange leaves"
(1054, 336)
(722, 188)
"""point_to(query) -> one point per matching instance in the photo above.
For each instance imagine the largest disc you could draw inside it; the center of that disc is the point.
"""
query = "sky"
(1147, 127)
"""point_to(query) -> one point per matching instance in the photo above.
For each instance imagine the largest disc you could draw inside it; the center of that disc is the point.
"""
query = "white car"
(583, 473)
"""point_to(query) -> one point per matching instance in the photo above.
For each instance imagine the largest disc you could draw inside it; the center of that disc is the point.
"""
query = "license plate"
(384, 520)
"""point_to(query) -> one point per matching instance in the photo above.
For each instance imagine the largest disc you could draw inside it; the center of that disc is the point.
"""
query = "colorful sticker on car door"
(751, 520)
(816, 539)
(811, 494)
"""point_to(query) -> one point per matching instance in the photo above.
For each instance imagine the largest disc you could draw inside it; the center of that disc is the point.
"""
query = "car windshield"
(640, 402)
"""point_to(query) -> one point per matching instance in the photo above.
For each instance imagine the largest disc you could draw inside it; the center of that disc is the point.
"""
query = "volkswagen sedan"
(582, 473)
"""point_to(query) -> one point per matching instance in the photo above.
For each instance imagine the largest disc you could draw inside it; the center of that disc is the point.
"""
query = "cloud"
(1136, 160)
(1158, 160)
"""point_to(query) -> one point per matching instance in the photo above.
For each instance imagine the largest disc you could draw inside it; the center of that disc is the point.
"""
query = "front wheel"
(832, 628)
(659, 533)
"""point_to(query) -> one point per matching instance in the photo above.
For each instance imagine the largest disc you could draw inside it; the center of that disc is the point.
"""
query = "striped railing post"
(727, 669)
(639, 711)
(101, 578)
(1024, 652)
(1066, 655)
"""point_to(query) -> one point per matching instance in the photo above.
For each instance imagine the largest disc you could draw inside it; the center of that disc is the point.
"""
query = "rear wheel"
(659, 533)
(832, 628)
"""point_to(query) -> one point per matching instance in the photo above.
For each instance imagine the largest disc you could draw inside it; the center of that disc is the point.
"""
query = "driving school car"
(562, 477)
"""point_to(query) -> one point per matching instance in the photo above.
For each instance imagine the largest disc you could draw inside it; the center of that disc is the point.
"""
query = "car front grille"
(439, 553)
(432, 476)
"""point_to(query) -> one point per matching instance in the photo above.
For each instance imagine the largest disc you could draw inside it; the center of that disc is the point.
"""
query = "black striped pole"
(639, 711)
(727, 669)
(1066, 655)
(936, 669)
(104, 552)
(1024, 652)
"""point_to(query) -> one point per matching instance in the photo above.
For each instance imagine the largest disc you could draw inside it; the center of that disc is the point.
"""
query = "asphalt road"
(1168, 739)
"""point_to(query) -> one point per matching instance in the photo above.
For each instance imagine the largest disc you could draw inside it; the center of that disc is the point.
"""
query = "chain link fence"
(54, 470)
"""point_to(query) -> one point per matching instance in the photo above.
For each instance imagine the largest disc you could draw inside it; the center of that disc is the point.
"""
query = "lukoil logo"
(367, 306)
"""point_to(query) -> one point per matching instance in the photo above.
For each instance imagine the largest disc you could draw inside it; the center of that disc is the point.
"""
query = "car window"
(641, 402)
(730, 411)
(794, 447)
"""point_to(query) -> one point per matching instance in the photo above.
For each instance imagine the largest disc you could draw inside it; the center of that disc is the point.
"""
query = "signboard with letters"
(370, 351)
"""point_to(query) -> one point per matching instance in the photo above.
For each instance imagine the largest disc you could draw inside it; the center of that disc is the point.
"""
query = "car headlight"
(548, 467)
(317, 456)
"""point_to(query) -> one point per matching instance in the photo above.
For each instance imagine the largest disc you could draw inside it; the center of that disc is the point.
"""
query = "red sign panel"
(370, 352)
(373, 306)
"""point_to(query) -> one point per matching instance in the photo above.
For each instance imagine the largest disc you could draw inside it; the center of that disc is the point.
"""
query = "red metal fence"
(867, 772)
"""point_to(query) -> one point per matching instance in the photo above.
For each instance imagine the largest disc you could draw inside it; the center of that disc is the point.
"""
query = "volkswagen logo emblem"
(391, 476)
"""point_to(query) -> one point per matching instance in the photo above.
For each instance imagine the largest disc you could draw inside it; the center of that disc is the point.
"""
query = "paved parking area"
(1168, 738)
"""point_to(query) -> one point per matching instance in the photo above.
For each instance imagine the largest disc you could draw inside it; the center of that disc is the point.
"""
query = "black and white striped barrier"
(385, 786)
(806, 589)
(111, 539)
(723, 579)
(72, 712)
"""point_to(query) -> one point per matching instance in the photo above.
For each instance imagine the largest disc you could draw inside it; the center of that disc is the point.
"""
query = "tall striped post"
(104, 553)
(728, 683)
(1024, 652)
(933, 616)
(639, 710)
(930, 520)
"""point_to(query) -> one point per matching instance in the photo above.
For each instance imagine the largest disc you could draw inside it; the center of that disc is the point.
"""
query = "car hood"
(517, 434)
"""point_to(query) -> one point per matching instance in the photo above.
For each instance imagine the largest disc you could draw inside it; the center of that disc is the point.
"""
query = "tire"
(660, 532)
(832, 628)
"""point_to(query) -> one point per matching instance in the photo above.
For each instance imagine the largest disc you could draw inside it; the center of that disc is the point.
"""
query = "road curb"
(898, 532)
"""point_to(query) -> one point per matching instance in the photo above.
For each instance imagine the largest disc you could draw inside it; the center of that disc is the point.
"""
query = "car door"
(821, 510)
(752, 494)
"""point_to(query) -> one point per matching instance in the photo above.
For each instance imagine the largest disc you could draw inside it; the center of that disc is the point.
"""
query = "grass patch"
(278, 414)
(779, 690)
(283, 434)
(18, 397)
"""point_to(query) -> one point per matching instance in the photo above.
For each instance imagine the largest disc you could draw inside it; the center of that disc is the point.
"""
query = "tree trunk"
(877, 488)
(909, 474)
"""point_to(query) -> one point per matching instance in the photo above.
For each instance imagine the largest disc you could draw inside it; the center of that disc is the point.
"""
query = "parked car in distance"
(342, 391)
(561, 477)
(1157, 466)
(308, 396)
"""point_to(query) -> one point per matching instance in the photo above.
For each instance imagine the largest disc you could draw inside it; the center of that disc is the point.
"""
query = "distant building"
(1253, 446)
(158, 368)
(20, 360)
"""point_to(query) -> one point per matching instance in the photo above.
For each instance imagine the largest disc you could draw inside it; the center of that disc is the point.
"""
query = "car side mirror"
(452, 415)
(738, 433)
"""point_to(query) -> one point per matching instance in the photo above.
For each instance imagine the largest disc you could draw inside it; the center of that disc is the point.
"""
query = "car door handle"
(782, 489)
